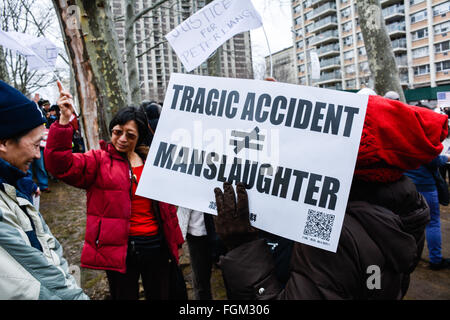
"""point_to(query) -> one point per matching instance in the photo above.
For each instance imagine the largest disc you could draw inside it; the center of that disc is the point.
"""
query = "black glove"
(232, 222)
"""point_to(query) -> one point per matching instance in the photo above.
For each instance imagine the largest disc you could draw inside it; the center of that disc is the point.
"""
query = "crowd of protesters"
(393, 207)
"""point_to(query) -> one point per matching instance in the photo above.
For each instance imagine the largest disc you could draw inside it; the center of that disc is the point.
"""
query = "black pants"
(151, 261)
(201, 263)
(445, 171)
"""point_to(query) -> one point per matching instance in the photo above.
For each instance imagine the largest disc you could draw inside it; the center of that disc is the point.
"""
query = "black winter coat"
(383, 227)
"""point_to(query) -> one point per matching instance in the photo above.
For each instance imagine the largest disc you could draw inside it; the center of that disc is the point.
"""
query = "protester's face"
(46, 107)
(22, 153)
(124, 137)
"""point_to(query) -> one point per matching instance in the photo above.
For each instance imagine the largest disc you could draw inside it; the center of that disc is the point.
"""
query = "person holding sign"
(127, 235)
(382, 236)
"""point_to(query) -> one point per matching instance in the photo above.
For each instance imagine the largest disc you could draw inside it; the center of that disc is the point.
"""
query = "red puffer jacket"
(105, 174)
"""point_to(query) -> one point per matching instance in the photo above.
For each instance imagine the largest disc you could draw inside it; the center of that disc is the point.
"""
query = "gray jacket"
(26, 272)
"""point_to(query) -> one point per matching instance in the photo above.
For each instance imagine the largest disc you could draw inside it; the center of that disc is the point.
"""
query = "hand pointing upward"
(65, 104)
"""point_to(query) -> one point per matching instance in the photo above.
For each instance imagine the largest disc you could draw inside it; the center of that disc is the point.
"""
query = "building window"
(345, 12)
(309, 27)
(298, 21)
(300, 56)
(421, 70)
(308, 15)
(301, 68)
(413, 2)
(350, 83)
(347, 26)
(443, 65)
(348, 55)
(348, 41)
(419, 16)
(419, 34)
(364, 66)
(441, 8)
(442, 47)
(302, 80)
(299, 44)
(359, 36)
(420, 52)
(297, 9)
(350, 69)
(442, 27)
(362, 51)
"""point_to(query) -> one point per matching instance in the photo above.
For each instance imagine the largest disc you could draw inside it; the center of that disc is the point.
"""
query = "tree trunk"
(102, 47)
(133, 79)
(92, 46)
(379, 49)
(82, 70)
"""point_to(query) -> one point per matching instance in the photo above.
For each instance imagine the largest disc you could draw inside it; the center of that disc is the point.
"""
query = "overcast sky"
(277, 20)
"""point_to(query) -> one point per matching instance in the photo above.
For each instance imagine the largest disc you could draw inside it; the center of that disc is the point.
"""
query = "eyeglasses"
(119, 133)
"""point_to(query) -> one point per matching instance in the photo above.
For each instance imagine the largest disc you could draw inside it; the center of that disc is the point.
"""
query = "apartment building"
(156, 60)
(283, 65)
(419, 32)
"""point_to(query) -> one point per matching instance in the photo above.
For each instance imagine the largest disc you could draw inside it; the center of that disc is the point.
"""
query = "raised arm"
(77, 169)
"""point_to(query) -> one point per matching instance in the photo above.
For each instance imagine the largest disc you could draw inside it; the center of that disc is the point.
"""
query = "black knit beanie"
(18, 114)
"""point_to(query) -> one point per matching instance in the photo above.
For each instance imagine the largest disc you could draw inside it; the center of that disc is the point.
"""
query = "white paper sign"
(294, 146)
(443, 99)
(196, 38)
(315, 65)
(40, 52)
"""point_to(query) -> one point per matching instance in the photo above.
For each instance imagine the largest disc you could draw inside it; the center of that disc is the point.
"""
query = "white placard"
(196, 38)
(315, 65)
(443, 99)
(294, 146)
(40, 52)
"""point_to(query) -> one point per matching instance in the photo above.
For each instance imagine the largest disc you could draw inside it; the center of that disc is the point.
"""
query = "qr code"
(319, 225)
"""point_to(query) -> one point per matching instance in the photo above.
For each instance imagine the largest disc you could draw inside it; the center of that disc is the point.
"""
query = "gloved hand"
(232, 222)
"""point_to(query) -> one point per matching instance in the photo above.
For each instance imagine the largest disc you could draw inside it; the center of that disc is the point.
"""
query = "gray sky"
(277, 20)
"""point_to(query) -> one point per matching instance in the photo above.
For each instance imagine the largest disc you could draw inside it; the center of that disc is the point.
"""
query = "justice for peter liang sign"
(197, 37)
(294, 147)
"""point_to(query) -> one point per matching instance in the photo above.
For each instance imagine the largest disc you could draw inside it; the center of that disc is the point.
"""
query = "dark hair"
(152, 110)
(43, 102)
(137, 115)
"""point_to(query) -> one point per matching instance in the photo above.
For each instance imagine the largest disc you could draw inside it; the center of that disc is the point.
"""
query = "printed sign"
(294, 147)
(196, 38)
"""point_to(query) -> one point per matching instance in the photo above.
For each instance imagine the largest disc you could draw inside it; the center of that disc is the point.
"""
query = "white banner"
(196, 38)
(294, 146)
(9, 41)
(40, 52)
(315, 65)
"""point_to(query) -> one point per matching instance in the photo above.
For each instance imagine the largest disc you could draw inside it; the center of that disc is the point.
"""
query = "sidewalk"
(425, 283)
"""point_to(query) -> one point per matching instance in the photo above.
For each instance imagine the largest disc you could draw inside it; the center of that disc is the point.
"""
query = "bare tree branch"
(146, 10)
(150, 49)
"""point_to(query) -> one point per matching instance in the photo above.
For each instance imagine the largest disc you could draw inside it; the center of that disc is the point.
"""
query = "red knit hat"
(397, 137)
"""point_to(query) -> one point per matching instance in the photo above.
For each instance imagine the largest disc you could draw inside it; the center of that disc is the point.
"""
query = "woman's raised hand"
(65, 104)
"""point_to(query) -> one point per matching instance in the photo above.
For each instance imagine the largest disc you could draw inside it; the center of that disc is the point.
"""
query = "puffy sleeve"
(76, 169)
